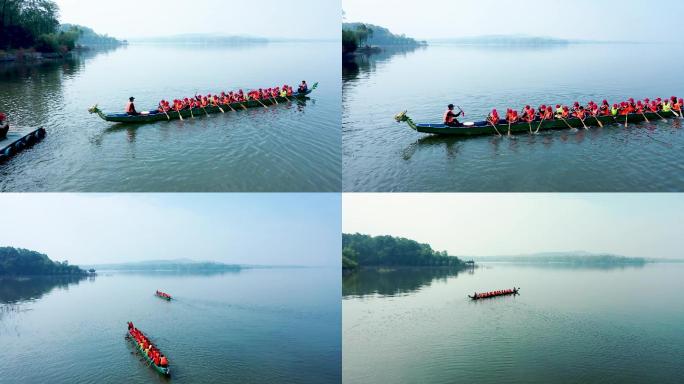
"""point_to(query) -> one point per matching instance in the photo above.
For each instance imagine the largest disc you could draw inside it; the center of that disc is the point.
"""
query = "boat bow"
(403, 118)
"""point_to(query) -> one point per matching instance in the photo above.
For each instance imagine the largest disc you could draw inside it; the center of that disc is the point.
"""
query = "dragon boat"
(480, 128)
(154, 115)
(487, 295)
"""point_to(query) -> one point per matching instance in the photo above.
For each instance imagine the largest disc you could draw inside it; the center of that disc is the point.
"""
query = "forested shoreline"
(24, 262)
(359, 250)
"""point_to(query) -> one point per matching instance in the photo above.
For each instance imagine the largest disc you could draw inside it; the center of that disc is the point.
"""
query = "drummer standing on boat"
(450, 117)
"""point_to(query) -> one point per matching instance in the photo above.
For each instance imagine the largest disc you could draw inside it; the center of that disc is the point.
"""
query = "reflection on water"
(15, 290)
(393, 281)
(361, 64)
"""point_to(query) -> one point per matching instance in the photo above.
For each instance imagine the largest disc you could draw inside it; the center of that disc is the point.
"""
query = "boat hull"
(161, 370)
(483, 128)
(154, 116)
(163, 297)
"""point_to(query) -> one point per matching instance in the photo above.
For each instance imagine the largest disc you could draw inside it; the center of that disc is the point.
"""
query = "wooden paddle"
(231, 107)
(626, 119)
(566, 123)
(494, 125)
(658, 114)
(509, 128)
(644, 115)
(167, 115)
(191, 114)
(179, 114)
(261, 103)
(539, 126)
(219, 107)
(597, 120)
(582, 120)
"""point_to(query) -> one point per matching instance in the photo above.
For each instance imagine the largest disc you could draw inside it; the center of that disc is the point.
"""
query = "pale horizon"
(629, 20)
(248, 229)
(272, 19)
(486, 225)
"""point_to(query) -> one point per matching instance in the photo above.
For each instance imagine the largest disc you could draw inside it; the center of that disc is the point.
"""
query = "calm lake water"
(290, 147)
(567, 326)
(253, 326)
(381, 155)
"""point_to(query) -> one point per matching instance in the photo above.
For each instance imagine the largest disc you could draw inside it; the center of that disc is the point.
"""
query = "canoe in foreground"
(484, 128)
(153, 116)
(13, 143)
(487, 295)
(161, 370)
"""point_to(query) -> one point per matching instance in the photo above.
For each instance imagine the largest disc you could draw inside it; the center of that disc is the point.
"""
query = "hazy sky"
(272, 229)
(632, 20)
(307, 19)
(647, 225)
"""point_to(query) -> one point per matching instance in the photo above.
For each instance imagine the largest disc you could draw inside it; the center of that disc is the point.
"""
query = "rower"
(303, 87)
(559, 110)
(548, 115)
(163, 362)
(450, 117)
(566, 113)
(528, 113)
(605, 108)
(130, 107)
(493, 117)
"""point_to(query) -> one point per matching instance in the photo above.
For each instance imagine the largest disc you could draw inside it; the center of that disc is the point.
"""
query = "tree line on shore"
(360, 35)
(34, 24)
(359, 250)
(24, 262)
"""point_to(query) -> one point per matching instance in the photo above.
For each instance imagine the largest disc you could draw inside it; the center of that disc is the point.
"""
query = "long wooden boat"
(484, 128)
(161, 370)
(161, 295)
(13, 143)
(153, 116)
(487, 295)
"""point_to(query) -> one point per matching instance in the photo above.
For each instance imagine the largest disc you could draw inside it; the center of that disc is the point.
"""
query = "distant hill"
(381, 36)
(202, 39)
(24, 262)
(506, 40)
(360, 250)
(583, 258)
(168, 265)
(90, 38)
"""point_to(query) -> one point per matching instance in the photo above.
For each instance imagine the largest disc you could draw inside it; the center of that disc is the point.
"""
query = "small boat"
(155, 115)
(161, 370)
(484, 128)
(487, 295)
(12, 143)
(163, 295)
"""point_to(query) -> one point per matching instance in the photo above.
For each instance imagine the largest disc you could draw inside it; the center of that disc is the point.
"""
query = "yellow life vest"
(666, 107)
(614, 111)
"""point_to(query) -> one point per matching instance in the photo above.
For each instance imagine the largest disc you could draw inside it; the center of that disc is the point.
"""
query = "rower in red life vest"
(639, 107)
(548, 114)
(678, 105)
(450, 117)
(575, 107)
(605, 108)
(566, 112)
(528, 114)
(581, 113)
(493, 117)
(130, 107)
(653, 107)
